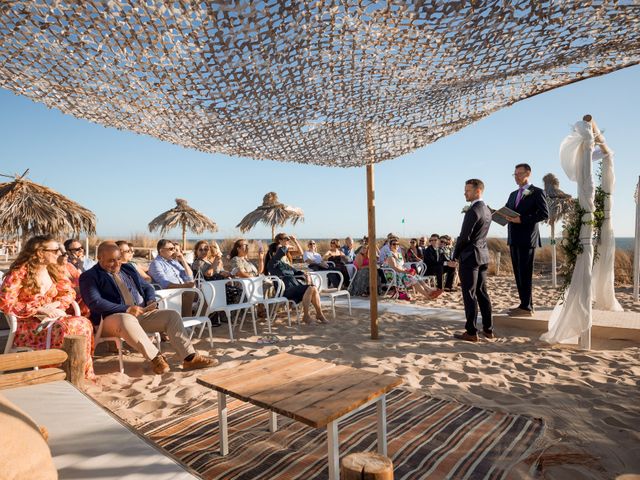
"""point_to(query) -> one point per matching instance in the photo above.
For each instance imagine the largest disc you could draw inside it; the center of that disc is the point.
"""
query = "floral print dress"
(14, 300)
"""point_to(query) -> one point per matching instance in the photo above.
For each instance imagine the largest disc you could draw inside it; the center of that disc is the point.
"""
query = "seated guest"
(395, 261)
(295, 289)
(77, 257)
(126, 249)
(240, 265)
(359, 286)
(433, 259)
(73, 275)
(448, 272)
(36, 289)
(126, 304)
(412, 253)
(170, 269)
(385, 249)
(313, 259)
(339, 260)
(347, 250)
(208, 261)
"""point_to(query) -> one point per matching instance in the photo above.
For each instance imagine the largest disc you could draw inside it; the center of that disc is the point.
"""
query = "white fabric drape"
(572, 317)
(602, 280)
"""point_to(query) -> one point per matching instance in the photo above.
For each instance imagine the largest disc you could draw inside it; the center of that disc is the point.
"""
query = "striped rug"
(427, 438)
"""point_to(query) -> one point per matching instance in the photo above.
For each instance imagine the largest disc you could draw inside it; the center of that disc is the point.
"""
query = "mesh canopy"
(328, 82)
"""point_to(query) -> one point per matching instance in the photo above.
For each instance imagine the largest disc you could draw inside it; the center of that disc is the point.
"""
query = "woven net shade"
(327, 82)
(272, 213)
(184, 216)
(33, 209)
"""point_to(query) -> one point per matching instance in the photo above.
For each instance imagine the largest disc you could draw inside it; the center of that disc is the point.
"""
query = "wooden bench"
(316, 393)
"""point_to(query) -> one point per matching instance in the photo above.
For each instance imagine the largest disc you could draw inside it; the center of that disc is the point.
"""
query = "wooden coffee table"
(316, 393)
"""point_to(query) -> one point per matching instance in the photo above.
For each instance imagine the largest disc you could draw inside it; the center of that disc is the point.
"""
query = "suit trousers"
(436, 271)
(473, 279)
(133, 330)
(449, 275)
(522, 261)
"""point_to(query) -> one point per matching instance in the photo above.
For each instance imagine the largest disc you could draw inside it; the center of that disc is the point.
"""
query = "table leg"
(273, 422)
(222, 424)
(334, 450)
(381, 408)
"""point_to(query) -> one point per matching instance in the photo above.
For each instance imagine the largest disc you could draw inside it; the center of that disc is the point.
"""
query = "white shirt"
(313, 256)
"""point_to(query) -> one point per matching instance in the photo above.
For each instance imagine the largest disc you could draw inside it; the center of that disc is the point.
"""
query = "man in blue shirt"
(347, 249)
(170, 270)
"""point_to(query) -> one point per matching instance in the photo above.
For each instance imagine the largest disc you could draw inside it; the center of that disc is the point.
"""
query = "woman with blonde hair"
(37, 291)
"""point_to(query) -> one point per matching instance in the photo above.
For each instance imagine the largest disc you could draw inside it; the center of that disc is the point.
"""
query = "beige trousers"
(134, 331)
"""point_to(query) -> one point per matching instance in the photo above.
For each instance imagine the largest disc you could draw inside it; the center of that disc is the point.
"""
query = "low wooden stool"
(366, 466)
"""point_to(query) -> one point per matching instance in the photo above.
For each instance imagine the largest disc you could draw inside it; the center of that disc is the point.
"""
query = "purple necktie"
(519, 196)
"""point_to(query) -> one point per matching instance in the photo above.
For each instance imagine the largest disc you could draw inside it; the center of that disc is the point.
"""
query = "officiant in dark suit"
(524, 236)
(471, 255)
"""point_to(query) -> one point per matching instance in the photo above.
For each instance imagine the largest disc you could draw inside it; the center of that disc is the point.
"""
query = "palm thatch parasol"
(186, 216)
(27, 209)
(560, 204)
(272, 213)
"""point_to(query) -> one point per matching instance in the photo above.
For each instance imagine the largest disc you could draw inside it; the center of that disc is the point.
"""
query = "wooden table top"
(309, 391)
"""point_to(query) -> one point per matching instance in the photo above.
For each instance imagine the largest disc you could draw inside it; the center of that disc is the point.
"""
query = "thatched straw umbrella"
(186, 216)
(560, 204)
(272, 213)
(27, 209)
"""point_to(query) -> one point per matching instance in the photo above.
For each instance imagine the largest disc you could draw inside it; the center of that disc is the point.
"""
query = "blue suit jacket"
(100, 292)
(532, 209)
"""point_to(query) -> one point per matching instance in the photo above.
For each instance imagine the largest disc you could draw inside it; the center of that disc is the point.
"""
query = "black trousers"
(435, 270)
(522, 261)
(473, 279)
(448, 274)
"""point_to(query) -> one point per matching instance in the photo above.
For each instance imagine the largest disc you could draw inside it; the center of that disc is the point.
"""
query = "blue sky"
(128, 179)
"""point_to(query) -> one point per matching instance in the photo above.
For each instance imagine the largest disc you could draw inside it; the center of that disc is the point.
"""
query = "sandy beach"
(588, 399)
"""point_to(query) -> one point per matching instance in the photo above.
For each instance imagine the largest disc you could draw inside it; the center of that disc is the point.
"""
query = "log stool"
(366, 466)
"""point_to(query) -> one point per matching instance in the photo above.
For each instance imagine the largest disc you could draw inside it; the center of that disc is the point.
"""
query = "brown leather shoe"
(520, 312)
(489, 334)
(160, 365)
(199, 361)
(465, 336)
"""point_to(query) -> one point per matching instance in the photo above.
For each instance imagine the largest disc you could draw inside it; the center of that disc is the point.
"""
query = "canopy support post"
(184, 237)
(373, 261)
(636, 248)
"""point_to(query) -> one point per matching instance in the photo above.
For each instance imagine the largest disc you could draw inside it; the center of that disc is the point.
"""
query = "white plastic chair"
(421, 270)
(10, 333)
(254, 286)
(321, 282)
(393, 281)
(215, 295)
(171, 299)
(352, 269)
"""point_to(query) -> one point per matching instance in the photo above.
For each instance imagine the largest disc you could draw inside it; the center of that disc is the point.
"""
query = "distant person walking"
(524, 236)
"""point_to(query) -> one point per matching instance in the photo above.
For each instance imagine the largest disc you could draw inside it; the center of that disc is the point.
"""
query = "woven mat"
(427, 438)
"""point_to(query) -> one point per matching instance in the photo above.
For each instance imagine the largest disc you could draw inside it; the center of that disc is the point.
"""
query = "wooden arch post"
(373, 261)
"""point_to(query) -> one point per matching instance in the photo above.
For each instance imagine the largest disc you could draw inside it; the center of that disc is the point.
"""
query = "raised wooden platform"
(606, 325)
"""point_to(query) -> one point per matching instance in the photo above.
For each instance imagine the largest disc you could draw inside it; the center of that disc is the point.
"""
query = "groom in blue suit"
(531, 203)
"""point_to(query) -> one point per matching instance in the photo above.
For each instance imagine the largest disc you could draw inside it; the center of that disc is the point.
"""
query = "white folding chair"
(321, 282)
(215, 295)
(352, 270)
(254, 286)
(171, 299)
(393, 281)
(421, 270)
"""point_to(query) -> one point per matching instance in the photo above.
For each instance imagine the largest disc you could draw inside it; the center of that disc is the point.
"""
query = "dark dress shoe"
(488, 334)
(466, 336)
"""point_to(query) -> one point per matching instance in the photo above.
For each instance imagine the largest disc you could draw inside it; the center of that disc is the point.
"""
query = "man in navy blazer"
(524, 236)
(471, 255)
(117, 295)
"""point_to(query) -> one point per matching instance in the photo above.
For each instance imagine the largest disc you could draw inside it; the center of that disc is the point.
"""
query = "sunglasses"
(76, 249)
(171, 249)
(312, 243)
(395, 244)
(203, 248)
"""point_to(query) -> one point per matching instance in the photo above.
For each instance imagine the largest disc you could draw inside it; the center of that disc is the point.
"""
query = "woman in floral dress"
(395, 261)
(36, 289)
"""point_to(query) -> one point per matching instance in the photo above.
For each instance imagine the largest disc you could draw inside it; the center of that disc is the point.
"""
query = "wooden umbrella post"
(184, 237)
(373, 271)
(636, 248)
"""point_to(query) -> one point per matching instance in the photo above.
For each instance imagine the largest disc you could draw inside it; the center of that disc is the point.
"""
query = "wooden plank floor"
(308, 390)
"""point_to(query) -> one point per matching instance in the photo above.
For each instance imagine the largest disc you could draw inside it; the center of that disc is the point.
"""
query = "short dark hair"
(162, 242)
(67, 243)
(120, 243)
(526, 166)
(477, 183)
(434, 235)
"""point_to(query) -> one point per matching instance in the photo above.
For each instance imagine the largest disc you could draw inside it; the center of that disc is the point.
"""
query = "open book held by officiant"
(500, 216)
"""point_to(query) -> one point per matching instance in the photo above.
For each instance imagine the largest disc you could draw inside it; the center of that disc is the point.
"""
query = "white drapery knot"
(587, 217)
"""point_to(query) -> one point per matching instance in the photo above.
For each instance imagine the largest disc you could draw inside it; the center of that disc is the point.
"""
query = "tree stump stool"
(366, 466)
(74, 346)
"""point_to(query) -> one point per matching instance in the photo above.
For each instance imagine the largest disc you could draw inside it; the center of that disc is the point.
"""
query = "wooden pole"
(184, 237)
(273, 232)
(636, 248)
(373, 261)
(74, 346)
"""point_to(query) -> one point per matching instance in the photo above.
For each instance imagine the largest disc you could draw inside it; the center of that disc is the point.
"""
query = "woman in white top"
(313, 259)
(240, 265)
